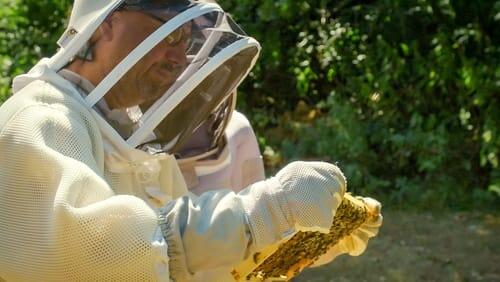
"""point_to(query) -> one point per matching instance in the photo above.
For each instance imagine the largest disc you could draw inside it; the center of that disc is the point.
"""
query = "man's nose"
(176, 55)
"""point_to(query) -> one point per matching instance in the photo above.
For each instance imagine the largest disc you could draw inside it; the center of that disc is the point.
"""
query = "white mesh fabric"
(303, 196)
(313, 191)
(267, 221)
(60, 219)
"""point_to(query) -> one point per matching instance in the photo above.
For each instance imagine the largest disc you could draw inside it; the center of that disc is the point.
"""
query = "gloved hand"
(355, 244)
(198, 229)
(303, 196)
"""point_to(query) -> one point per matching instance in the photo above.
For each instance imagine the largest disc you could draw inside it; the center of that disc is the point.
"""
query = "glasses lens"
(181, 35)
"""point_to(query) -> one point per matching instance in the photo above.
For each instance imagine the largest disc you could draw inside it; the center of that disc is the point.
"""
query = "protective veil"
(213, 56)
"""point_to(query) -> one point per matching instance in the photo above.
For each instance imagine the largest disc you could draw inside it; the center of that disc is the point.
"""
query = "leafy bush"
(28, 32)
(402, 94)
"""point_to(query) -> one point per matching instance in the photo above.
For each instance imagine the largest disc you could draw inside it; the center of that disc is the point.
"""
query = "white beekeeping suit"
(89, 186)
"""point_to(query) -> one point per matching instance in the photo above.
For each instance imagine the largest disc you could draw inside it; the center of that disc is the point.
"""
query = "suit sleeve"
(60, 219)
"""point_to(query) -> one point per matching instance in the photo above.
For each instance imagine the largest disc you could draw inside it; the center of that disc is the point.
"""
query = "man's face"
(155, 72)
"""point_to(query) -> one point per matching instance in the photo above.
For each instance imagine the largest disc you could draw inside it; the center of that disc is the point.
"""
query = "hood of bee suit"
(196, 90)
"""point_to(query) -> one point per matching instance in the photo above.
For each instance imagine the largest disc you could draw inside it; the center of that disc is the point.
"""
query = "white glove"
(355, 244)
(303, 196)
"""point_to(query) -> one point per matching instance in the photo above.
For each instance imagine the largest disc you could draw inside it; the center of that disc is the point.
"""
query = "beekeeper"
(89, 185)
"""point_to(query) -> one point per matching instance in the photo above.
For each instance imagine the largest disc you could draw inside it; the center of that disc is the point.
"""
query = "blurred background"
(403, 95)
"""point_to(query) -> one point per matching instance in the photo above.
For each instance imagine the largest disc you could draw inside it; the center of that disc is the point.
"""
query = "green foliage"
(402, 94)
(29, 30)
(406, 91)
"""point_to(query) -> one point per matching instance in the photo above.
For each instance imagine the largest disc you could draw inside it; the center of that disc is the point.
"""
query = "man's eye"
(174, 38)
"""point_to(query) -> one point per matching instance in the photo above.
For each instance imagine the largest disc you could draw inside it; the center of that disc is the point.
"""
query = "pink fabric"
(239, 165)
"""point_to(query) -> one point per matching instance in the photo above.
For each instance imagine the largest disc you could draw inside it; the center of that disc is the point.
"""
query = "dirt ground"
(414, 246)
